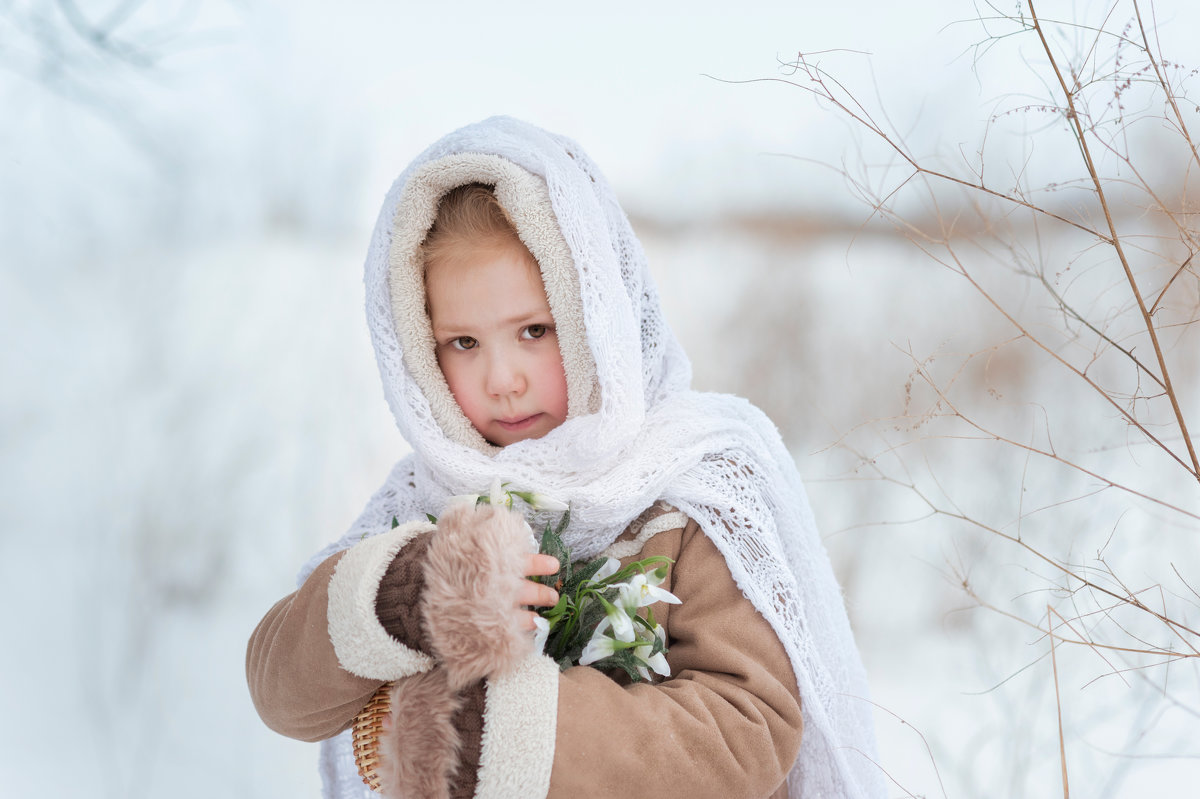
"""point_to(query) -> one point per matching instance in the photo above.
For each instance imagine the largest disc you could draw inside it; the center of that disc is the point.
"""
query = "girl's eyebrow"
(518, 319)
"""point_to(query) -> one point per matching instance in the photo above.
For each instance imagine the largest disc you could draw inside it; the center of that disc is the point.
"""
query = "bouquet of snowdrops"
(596, 621)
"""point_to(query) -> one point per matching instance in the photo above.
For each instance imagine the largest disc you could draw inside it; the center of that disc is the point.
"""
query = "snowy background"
(190, 406)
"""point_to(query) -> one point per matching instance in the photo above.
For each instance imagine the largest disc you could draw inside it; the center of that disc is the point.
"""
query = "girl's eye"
(464, 343)
(535, 331)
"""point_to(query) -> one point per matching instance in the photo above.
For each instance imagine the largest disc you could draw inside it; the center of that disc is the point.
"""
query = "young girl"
(520, 339)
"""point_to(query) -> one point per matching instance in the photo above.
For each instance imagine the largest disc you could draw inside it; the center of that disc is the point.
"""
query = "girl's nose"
(504, 376)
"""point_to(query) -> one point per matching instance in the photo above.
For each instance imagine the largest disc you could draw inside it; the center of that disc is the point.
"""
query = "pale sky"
(255, 106)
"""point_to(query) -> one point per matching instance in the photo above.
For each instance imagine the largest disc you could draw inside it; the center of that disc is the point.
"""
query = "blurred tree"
(99, 55)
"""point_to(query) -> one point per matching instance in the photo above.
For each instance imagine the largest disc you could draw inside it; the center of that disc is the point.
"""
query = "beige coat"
(727, 723)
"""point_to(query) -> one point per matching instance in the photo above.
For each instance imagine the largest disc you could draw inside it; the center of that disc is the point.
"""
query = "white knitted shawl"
(635, 434)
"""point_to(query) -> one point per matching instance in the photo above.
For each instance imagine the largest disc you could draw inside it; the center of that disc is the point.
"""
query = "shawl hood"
(592, 266)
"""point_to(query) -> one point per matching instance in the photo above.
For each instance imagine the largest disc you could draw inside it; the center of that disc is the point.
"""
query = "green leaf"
(624, 660)
(552, 545)
(432, 519)
(574, 653)
(563, 522)
(395, 522)
(582, 574)
(590, 617)
(608, 605)
(559, 608)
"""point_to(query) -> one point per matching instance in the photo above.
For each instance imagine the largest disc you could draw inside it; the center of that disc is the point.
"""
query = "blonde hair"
(468, 215)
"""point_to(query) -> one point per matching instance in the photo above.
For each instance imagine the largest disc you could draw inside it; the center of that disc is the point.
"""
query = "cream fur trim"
(659, 524)
(519, 730)
(363, 647)
(527, 200)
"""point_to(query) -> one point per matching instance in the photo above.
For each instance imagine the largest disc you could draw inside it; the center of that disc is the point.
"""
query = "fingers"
(541, 565)
(536, 594)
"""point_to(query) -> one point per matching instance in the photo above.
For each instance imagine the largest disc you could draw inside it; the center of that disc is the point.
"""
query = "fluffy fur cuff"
(472, 578)
(418, 759)
(363, 646)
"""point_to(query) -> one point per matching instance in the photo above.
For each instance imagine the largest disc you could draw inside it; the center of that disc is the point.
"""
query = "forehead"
(475, 282)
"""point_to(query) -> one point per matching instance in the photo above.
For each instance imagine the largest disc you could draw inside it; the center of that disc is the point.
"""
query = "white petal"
(543, 502)
(541, 631)
(654, 577)
(649, 635)
(598, 648)
(497, 495)
(610, 567)
(601, 628)
(622, 625)
(652, 594)
(627, 596)
(639, 593)
(659, 664)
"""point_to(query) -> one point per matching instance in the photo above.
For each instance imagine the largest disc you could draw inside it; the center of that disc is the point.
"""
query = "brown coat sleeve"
(295, 680)
(299, 685)
(726, 724)
(362, 618)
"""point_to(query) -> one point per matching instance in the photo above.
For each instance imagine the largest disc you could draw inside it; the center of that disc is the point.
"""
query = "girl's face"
(496, 342)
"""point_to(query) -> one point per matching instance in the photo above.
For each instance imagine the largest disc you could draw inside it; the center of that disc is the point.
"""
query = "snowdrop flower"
(541, 631)
(533, 539)
(610, 567)
(498, 496)
(643, 590)
(463, 499)
(540, 501)
(619, 619)
(543, 502)
(656, 661)
(599, 647)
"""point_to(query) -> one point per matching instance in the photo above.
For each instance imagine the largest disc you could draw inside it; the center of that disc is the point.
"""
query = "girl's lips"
(514, 425)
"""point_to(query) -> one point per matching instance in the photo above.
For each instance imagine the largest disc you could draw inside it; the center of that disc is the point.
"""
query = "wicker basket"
(368, 725)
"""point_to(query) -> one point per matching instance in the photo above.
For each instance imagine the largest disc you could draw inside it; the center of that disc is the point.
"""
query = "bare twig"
(1182, 268)
(1162, 81)
(1062, 743)
(1115, 239)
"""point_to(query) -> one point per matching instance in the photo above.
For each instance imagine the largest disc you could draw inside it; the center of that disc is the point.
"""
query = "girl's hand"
(535, 594)
(478, 604)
